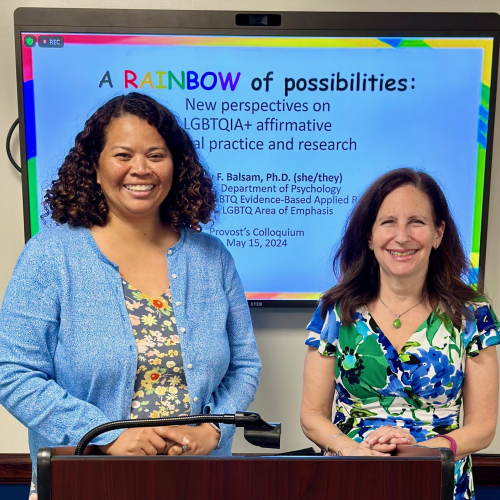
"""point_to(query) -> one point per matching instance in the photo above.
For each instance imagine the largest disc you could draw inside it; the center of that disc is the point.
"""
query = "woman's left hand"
(197, 440)
(387, 437)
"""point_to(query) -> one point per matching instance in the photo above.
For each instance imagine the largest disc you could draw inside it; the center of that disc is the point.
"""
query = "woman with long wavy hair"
(125, 309)
(402, 340)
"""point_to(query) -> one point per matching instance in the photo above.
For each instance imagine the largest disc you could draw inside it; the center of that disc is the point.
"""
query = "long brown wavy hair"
(76, 198)
(357, 269)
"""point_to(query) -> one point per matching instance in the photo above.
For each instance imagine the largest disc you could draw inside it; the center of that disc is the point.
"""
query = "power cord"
(9, 138)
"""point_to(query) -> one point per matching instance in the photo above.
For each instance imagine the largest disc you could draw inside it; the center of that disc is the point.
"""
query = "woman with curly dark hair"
(401, 337)
(126, 309)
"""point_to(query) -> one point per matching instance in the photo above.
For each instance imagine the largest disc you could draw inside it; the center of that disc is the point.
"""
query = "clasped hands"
(380, 442)
(178, 440)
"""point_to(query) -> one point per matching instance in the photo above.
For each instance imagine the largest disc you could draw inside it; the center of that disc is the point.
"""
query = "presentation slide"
(292, 129)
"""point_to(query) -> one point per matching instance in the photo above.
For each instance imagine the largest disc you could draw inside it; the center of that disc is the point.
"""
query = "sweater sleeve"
(239, 385)
(29, 328)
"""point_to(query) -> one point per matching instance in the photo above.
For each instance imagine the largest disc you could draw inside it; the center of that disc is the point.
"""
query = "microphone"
(257, 431)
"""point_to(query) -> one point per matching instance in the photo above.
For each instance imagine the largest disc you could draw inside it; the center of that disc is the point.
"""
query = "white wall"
(280, 334)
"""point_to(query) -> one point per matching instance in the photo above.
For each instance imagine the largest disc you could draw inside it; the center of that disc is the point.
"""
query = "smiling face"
(404, 234)
(135, 168)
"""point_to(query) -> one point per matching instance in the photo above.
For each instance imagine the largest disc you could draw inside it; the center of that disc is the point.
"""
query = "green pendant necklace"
(397, 322)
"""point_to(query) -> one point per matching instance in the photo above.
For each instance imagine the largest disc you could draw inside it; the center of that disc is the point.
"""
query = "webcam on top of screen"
(259, 20)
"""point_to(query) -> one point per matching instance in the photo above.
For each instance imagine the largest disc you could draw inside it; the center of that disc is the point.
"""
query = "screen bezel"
(324, 24)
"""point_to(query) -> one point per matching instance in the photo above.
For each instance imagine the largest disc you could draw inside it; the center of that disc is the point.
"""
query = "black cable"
(9, 137)
(249, 419)
(129, 424)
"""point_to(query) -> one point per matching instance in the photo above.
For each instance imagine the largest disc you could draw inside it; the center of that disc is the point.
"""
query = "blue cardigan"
(68, 357)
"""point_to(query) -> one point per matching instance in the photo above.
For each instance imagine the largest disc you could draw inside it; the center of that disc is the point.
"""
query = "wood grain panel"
(16, 468)
(246, 479)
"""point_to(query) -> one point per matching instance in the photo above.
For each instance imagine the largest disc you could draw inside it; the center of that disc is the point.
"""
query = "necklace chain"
(397, 322)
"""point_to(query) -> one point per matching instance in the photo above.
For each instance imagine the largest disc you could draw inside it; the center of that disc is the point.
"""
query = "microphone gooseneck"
(261, 433)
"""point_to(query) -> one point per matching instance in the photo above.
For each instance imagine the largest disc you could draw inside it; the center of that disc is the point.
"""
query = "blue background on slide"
(433, 127)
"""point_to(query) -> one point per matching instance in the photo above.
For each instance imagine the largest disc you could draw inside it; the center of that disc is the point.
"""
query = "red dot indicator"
(51, 41)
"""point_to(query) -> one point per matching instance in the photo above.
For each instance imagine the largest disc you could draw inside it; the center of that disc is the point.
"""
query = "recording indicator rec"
(50, 42)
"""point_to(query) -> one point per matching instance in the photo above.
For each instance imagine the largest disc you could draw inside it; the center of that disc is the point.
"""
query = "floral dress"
(418, 388)
(160, 385)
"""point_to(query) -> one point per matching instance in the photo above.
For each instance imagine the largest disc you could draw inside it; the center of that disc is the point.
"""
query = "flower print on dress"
(134, 320)
(160, 390)
(174, 340)
(418, 388)
(158, 303)
(428, 373)
(342, 395)
(393, 389)
(159, 382)
(359, 363)
(152, 376)
(141, 346)
(391, 354)
(167, 325)
(485, 318)
(485, 333)
(463, 484)
(149, 320)
(443, 425)
(132, 305)
(361, 325)
(470, 330)
(331, 331)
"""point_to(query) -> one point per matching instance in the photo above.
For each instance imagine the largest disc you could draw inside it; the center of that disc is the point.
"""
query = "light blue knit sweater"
(68, 357)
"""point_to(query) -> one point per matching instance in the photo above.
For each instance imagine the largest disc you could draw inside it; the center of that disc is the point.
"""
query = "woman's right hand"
(141, 441)
(387, 437)
(361, 450)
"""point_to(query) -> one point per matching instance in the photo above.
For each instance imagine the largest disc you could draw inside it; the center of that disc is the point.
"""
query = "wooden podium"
(413, 473)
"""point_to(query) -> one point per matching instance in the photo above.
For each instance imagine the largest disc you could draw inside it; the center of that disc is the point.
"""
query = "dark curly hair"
(76, 198)
(357, 269)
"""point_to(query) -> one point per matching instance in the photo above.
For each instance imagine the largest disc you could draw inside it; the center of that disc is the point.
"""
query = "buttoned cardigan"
(68, 356)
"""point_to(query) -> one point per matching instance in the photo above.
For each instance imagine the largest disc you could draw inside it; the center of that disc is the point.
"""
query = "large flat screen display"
(293, 122)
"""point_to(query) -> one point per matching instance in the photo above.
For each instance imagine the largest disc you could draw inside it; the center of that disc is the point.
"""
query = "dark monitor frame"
(325, 24)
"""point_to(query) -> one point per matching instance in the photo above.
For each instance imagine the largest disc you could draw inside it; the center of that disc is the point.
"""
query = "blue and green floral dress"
(418, 388)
